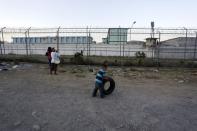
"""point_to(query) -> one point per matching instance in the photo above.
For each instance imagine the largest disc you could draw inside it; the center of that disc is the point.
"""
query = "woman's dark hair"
(49, 49)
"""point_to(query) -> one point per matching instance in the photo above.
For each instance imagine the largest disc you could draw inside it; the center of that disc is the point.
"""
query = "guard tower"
(116, 36)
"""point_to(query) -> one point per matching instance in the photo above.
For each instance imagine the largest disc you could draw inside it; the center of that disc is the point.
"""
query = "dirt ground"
(145, 99)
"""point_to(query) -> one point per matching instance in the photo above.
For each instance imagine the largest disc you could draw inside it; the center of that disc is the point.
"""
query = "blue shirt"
(99, 76)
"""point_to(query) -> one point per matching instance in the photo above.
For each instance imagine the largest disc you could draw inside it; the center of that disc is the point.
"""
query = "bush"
(78, 58)
(140, 58)
(140, 54)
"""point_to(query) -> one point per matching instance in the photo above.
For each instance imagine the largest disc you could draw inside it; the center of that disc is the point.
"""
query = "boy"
(100, 76)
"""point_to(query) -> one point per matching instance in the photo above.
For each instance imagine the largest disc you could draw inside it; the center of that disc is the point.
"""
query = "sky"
(98, 13)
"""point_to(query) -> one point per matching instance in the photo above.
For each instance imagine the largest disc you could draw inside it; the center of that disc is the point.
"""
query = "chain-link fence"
(157, 43)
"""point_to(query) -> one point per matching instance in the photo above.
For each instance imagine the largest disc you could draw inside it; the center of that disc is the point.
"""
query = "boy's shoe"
(102, 96)
(93, 95)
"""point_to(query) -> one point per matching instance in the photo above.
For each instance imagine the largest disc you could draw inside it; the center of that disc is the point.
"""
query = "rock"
(17, 123)
(45, 122)
(5, 69)
(121, 126)
(36, 128)
(3, 64)
(194, 73)
(34, 114)
(156, 70)
(14, 67)
(181, 81)
(91, 70)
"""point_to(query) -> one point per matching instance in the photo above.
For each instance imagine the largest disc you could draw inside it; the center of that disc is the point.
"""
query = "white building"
(178, 48)
(180, 42)
(53, 40)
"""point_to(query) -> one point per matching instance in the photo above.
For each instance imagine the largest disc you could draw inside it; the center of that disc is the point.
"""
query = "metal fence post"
(58, 38)
(120, 46)
(185, 43)
(158, 50)
(29, 40)
(195, 47)
(123, 42)
(0, 45)
(26, 43)
(87, 41)
(3, 42)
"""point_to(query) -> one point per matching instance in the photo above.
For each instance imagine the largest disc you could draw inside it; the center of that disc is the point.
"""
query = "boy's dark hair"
(105, 64)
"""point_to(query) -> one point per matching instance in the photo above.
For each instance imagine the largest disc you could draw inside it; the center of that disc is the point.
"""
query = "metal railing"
(171, 43)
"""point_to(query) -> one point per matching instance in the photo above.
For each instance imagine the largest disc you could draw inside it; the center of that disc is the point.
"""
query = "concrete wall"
(70, 49)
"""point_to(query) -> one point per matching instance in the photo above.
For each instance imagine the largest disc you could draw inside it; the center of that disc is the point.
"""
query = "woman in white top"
(55, 60)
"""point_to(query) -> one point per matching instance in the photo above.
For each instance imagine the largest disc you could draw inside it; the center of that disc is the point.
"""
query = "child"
(48, 54)
(100, 76)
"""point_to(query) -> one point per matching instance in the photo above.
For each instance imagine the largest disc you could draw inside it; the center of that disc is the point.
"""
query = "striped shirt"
(99, 76)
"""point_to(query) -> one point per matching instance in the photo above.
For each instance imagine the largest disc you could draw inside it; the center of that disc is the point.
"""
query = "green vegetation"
(79, 59)
(140, 57)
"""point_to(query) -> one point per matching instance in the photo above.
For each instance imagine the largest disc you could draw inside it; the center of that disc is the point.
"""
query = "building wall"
(180, 42)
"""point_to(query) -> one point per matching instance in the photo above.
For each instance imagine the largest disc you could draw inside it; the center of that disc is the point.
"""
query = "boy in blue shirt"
(100, 76)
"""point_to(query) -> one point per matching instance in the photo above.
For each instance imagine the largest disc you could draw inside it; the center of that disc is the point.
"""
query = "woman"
(48, 54)
(55, 60)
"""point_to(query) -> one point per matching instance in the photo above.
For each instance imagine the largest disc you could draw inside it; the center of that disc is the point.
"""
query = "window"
(67, 40)
(36, 40)
(21, 40)
(78, 40)
(62, 40)
(73, 40)
(84, 39)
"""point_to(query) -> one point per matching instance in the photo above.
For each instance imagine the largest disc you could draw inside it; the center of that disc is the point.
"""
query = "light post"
(3, 39)
(131, 28)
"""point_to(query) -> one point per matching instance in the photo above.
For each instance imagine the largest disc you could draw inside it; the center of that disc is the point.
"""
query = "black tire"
(111, 87)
